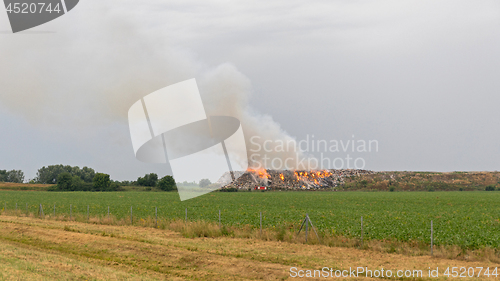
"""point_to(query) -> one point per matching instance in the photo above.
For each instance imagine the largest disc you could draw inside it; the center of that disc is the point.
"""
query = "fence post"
(131, 216)
(27, 209)
(156, 217)
(432, 237)
(88, 212)
(41, 211)
(219, 220)
(186, 214)
(260, 224)
(108, 212)
(307, 223)
(54, 210)
(361, 231)
(16, 207)
(70, 209)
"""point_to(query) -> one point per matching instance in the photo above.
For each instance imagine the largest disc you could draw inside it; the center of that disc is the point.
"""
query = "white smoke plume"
(92, 69)
(226, 92)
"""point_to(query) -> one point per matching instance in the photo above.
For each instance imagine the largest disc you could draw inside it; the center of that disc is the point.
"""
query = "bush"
(67, 182)
(490, 188)
(101, 182)
(148, 180)
(391, 189)
(229, 189)
(64, 182)
(113, 187)
(167, 183)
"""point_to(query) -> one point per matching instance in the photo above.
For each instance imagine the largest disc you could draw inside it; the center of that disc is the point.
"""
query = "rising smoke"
(94, 68)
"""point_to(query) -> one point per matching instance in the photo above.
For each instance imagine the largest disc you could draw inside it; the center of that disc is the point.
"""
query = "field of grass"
(470, 220)
(34, 249)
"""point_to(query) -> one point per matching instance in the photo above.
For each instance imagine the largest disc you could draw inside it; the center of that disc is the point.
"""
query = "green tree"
(67, 182)
(64, 182)
(167, 183)
(3, 175)
(148, 180)
(101, 182)
(49, 174)
(86, 174)
(16, 176)
(205, 182)
(77, 184)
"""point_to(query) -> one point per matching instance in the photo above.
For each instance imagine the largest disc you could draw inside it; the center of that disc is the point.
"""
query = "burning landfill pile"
(293, 180)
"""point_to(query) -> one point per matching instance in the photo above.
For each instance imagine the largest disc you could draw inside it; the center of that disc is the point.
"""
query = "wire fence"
(60, 213)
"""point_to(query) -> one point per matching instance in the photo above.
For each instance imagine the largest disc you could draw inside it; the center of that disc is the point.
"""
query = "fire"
(262, 173)
(312, 176)
(298, 176)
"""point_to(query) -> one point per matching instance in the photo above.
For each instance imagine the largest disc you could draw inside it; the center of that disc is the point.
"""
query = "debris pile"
(291, 180)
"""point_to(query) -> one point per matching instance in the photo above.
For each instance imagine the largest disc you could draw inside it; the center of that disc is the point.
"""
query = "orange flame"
(262, 173)
(312, 176)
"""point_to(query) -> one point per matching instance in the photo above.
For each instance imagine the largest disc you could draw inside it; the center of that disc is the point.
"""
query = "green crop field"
(468, 219)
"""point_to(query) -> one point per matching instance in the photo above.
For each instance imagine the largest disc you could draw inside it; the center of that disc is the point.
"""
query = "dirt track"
(33, 249)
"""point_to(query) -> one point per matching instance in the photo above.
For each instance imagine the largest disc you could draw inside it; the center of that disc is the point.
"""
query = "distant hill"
(423, 181)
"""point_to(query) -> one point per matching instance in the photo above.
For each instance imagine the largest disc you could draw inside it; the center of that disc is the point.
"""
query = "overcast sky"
(420, 77)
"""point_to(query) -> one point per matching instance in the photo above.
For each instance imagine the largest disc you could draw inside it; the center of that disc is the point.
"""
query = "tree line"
(16, 176)
(167, 183)
(50, 174)
(68, 178)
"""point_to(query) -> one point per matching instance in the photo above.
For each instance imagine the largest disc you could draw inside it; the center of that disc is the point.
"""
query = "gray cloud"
(418, 76)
